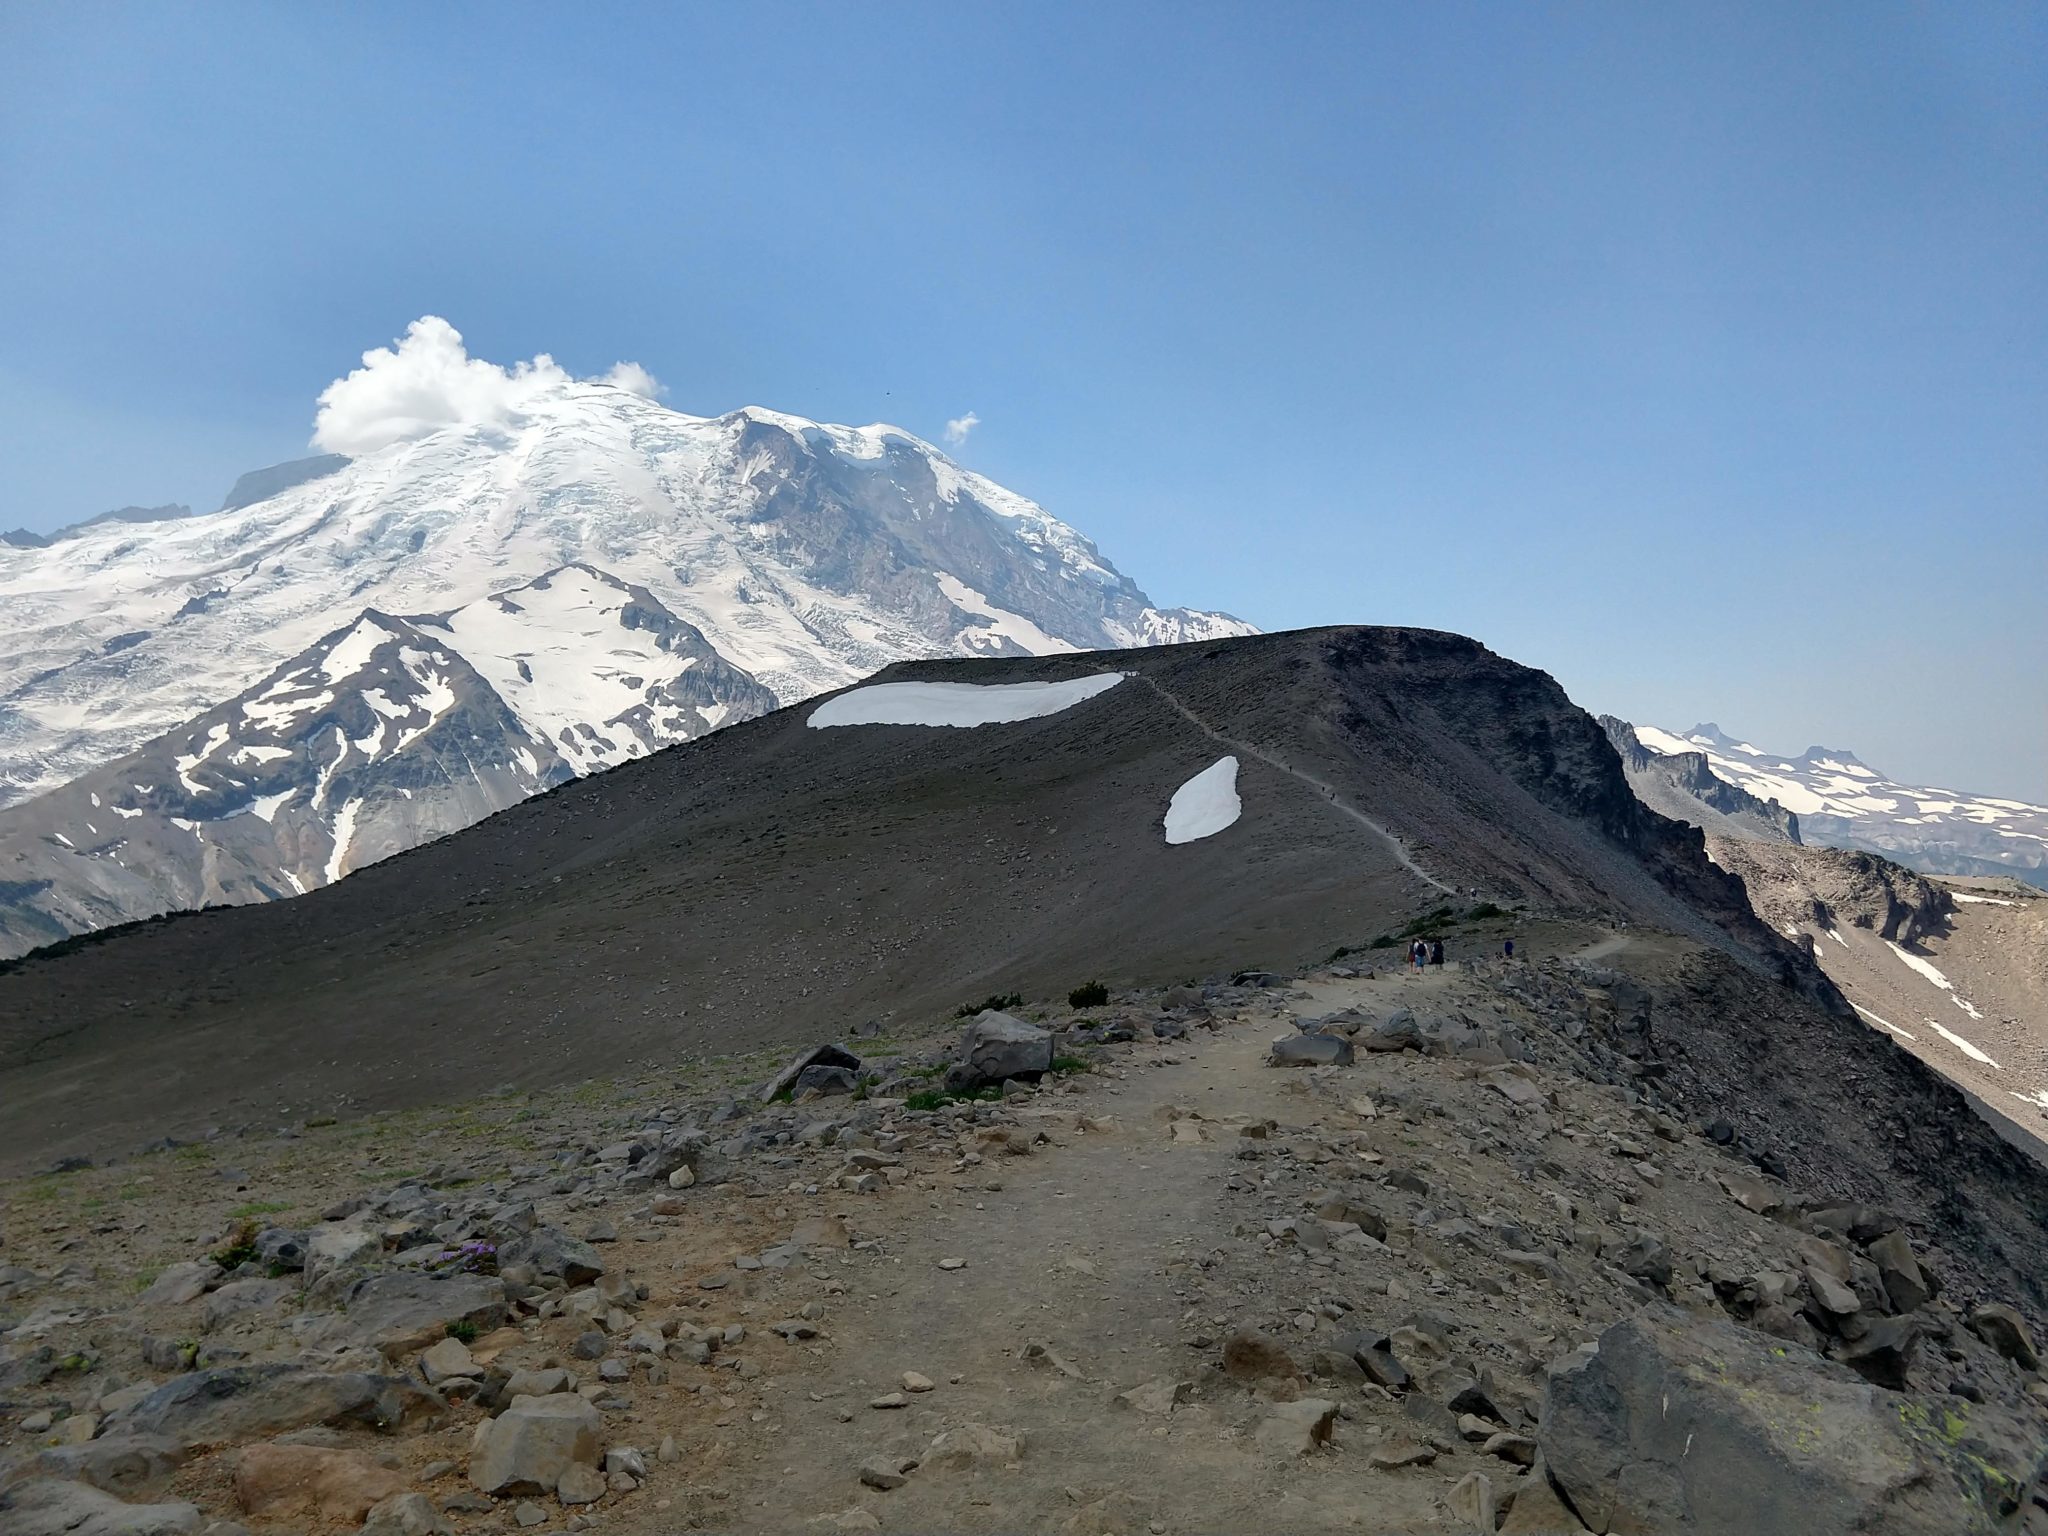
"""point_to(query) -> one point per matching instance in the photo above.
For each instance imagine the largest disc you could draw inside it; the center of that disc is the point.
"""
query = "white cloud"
(632, 377)
(429, 381)
(958, 428)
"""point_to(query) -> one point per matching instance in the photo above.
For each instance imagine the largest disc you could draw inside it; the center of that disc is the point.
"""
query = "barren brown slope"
(774, 883)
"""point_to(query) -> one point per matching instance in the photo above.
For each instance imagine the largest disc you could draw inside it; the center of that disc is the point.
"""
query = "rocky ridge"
(1502, 1262)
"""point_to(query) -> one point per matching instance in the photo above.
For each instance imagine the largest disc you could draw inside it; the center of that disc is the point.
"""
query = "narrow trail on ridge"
(1327, 791)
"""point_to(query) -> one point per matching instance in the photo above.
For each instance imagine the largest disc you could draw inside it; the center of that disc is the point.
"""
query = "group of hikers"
(1431, 952)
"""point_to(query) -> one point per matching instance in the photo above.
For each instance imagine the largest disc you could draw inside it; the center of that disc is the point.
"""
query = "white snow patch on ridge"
(1964, 1046)
(1206, 804)
(961, 704)
(1926, 968)
(1989, 901)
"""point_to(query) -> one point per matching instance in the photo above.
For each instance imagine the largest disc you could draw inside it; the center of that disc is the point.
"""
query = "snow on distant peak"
(1842, 801)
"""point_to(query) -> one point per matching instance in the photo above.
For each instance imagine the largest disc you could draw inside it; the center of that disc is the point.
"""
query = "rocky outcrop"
(1830, 887)
(1675, 1425)
(1684, 786)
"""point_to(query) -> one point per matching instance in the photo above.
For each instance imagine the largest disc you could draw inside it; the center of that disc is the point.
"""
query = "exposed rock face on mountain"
(1683, 786)
(262, 484)
(21, 538)
(1956, 971)
(1841, 803)
(892, 866)
(617, 577)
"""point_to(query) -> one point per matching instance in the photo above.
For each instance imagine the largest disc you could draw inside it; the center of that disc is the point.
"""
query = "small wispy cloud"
(958, 428)
(429, 381)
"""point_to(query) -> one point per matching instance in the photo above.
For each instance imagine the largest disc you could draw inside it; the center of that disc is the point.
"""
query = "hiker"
(1416, 954)
(1507, 950)
(1436, 951)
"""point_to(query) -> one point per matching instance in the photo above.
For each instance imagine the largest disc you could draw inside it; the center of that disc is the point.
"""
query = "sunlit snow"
(960, 704)
(1206, 804)
(1988, 901)
(1963, 1045)
(1011, 626)
(1924, 967)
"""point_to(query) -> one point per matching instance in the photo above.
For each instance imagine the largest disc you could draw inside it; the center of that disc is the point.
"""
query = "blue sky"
(1697, 354)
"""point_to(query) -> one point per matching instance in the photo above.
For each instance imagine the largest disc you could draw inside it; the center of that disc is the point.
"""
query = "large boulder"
(114, 1463)
(996, 1047)
(817, 1056)
(553, 1252)
(2005, 1331)
(234, 1403)
(42, 1506)
(528, 1447)
(400, 1313)
(1672, 1424)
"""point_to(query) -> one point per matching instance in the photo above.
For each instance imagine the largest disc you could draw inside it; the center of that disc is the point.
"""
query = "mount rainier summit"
(249, 703)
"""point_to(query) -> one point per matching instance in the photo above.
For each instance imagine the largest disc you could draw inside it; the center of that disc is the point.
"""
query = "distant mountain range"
(353, 656)
(1828, 796)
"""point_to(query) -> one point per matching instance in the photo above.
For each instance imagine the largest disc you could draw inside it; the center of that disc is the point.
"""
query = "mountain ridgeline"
(353, 656)
(774, 879)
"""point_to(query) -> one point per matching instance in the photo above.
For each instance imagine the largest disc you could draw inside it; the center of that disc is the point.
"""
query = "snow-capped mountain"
(586, 578)
(1843, 803)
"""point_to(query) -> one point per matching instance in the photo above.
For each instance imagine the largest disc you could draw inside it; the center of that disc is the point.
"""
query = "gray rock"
(1884, 1352)
(337, 1245)
(1397, 1032)
(530, 1445)
(43, 1506)
(113, 1463)
(2005, 1331)
(282, 1249)
(236, 1403)
(816, 1056)
(1310, 1051)
(824, 1081)
(553, 1252)
(238, 1298)
(996, 1047)
(1646, 1259)
(539, 1383)
(180, 1283)
(884, 1473)
(401, 1313)
(405, 1514)
(579, 1484)
(1906, 1284)
(1678, 1425)
(446, 1360)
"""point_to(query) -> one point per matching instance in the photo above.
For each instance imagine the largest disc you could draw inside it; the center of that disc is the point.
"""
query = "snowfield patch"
(1926, 968)
(958, 704)
(1206, 804)
(1963, 1045)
